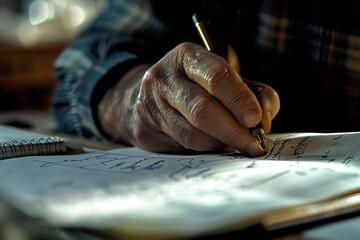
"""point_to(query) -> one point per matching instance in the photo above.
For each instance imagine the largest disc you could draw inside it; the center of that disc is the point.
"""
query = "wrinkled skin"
(190, 99)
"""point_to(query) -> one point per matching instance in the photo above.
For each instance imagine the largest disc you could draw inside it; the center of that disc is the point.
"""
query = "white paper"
(150, 193)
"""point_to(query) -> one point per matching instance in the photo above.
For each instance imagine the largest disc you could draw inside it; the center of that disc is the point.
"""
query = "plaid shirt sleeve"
(96, 60)
(311, 59)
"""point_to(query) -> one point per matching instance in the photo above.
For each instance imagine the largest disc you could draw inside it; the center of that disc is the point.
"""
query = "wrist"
(115, 111)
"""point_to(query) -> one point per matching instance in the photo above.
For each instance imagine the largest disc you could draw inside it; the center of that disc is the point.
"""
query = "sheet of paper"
(151, 193)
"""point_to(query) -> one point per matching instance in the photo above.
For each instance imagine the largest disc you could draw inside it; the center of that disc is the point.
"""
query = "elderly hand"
(190, 99)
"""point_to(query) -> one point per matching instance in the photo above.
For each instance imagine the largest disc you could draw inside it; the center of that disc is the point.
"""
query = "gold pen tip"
(262, 146)
(261, 139)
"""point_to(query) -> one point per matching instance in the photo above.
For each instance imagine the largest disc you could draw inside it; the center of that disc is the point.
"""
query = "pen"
(213, 45)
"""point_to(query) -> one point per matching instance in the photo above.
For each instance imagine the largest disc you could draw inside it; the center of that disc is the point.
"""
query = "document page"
(335, 147)
(180, 195)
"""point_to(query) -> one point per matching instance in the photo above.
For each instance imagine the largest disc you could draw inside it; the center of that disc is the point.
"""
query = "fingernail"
(250, 117)
(268, 114)
(254, 150)
(266, 123)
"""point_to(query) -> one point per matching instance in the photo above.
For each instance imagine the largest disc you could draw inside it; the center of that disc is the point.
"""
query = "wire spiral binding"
(37, 146)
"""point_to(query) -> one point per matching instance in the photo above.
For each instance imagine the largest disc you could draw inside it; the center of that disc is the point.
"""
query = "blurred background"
(32, 34)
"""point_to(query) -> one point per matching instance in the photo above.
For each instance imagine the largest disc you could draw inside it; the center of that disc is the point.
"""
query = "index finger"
(217, 77)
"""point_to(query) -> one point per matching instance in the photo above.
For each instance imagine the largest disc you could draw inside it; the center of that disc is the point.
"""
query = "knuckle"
(142, 105)
(216, 76)
(185, 47)
(151, 91)
(151, 76)
(144, 113)
(184, 52)
(238, 101)
(268, 97)
(261, 91)
(202, 111)
(159, 78)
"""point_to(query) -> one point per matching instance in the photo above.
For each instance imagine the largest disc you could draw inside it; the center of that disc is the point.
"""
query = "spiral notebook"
(15, 142)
